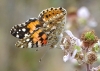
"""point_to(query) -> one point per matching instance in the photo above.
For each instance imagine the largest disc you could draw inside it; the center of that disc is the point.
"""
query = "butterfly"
(41, 31)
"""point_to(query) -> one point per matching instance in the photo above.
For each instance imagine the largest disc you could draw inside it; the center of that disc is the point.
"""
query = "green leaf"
(78, 48)
(96, 47)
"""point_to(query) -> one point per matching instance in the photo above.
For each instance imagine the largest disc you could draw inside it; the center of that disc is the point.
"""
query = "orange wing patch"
(32, 25)
(39, 36)
(44, 36)
(35, 36)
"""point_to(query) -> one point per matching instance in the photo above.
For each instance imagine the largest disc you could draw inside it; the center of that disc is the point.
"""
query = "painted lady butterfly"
(42, 31)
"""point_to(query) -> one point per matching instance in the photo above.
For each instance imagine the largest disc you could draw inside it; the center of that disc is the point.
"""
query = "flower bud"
(91, 57)
(79, 57)
(89, 39)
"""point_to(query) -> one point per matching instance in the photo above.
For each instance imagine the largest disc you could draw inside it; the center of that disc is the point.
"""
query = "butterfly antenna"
(39, 49)
(44, 54)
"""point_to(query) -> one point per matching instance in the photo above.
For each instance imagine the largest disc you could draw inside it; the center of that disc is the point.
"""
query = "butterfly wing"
(22, 30)
(36, 39)
(53, 20)
(36, 32)
(52, 14)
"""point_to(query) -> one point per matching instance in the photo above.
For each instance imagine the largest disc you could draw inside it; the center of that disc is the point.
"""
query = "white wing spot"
(26, 35)
(23, 29)
(39, 44)
(23, 24)
(32, 18)
(23, 41)
(19, 30)
(15, 25)
(12, 27)
(17, 36)
(19, 25)
(29, 45)
(27, 39)
(21, 46)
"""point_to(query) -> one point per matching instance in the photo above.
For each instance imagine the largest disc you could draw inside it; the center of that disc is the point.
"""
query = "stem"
(87, 67)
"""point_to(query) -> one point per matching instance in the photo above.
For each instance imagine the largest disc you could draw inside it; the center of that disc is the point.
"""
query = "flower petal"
(77, 41)
(74, 53)
(64, 40)
(62, 47)
(66, 58)
(83, 12)
(69, 33)
(98, 42)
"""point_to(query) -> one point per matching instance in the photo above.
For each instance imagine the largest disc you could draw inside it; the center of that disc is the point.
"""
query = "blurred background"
(14, 12)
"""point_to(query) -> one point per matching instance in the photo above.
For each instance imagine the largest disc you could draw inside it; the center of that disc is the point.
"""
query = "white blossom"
(66, 58)
(62, 47)
(98, 42)
(70, 45)
(83, 12)
(73, 55)
(77, 41)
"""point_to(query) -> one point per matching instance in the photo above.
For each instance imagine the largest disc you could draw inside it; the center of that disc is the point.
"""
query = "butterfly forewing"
(22, 30)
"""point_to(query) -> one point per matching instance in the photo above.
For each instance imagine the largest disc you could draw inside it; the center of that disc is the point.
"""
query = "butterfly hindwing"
(36, 39)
